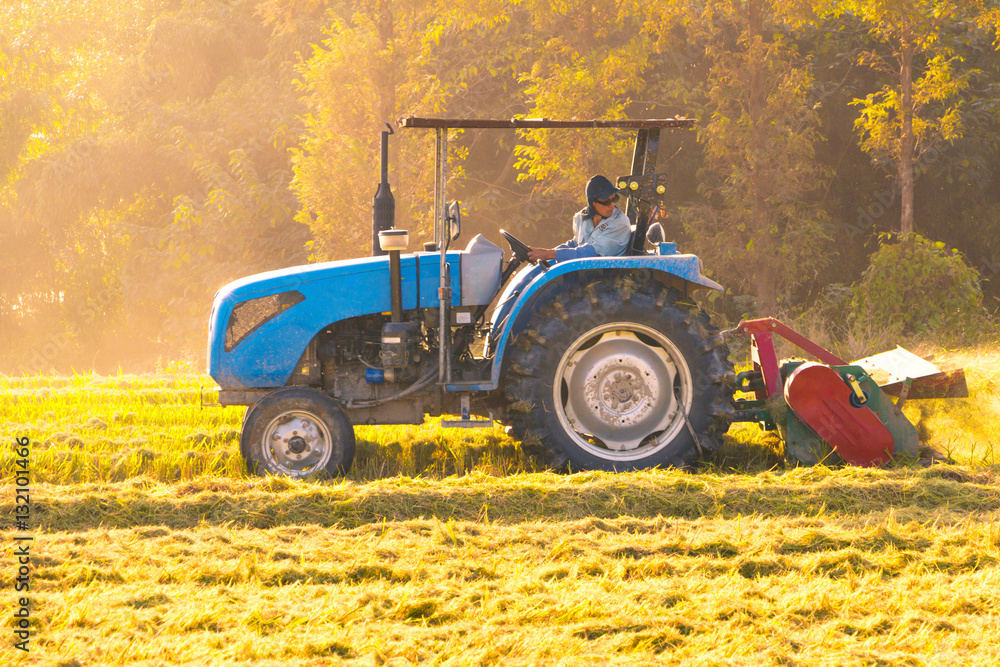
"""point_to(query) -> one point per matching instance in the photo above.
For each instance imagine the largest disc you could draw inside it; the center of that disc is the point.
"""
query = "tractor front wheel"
(617, 376)
(297, 432)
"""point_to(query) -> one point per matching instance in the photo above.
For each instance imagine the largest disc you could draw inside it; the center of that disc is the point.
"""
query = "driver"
(599, 229)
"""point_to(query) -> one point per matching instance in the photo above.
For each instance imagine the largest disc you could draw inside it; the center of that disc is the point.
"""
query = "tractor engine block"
(399, 344)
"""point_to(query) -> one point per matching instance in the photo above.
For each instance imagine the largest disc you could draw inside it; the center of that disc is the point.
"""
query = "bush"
(918, 286)
(832, 308)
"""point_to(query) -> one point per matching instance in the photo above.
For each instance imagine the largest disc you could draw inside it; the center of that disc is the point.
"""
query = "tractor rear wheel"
(620, 376)
(297, 432)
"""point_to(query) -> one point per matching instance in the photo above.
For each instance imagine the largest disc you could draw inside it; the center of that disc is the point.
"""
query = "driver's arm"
(568, 250)
(541, 254)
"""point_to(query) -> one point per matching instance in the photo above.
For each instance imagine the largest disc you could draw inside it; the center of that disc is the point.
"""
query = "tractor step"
(470, 385)
(466, 421)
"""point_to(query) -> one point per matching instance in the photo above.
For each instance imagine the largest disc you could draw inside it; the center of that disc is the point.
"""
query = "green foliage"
(153, 150)
(592, 61)
(377, 63)
(939, 86)
(759, 225)
(155, 162)
(923, 101)
(353, 80)
(920, 287)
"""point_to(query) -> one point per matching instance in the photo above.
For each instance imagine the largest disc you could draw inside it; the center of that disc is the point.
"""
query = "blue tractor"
(607, 362)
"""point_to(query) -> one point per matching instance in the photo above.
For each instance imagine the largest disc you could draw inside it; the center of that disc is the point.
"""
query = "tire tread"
(602, 300)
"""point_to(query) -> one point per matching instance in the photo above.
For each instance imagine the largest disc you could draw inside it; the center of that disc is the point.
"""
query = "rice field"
(153, 547)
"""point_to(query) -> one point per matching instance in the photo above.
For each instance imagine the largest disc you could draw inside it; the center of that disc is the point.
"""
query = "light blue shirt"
(610, 237)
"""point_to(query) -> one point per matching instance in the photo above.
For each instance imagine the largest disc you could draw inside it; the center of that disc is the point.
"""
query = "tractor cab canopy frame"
(643, 157)
(647, 143)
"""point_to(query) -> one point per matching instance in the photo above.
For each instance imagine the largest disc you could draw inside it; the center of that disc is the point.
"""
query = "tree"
(148, 166)
(760, 223)
(378, 62)
(590, 62)
(923, 106)
(56, 78)
(352, 81)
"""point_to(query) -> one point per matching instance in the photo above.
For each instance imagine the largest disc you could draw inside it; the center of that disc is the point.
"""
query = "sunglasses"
(606, 202)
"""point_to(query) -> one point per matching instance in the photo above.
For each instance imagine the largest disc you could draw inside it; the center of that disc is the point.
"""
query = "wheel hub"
(623, 391)
(298, 442)
(617, 389)
(618, 393)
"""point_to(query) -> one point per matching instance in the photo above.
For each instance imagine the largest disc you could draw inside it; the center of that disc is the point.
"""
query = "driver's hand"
(541, 254)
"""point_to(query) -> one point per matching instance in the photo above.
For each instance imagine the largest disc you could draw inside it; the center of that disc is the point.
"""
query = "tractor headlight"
(249, 316)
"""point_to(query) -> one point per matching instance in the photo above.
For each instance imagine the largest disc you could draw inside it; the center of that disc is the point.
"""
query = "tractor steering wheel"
(520, 250)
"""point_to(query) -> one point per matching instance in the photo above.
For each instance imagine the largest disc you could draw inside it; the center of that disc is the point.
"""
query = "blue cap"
(599, 187)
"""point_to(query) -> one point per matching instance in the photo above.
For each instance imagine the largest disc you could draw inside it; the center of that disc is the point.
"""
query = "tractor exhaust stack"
(384, 204)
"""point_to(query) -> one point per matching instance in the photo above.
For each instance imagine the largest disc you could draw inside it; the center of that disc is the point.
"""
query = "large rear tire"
(297, 432)
(620, 376)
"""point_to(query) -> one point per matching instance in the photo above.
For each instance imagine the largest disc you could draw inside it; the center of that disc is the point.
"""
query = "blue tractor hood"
(260, 325)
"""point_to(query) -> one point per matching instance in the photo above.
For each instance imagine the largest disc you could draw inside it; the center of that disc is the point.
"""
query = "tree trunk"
(762, 256)
(585, 26)
(385, 75)
(906, 148)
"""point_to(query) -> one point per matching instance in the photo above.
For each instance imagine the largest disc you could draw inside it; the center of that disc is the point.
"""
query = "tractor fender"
(534, 285)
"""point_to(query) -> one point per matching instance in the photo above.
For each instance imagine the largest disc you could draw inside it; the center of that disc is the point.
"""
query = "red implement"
(821, 399)
(765, 357)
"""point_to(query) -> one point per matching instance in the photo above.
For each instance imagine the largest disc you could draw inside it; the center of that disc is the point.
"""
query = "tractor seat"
(637, 244)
